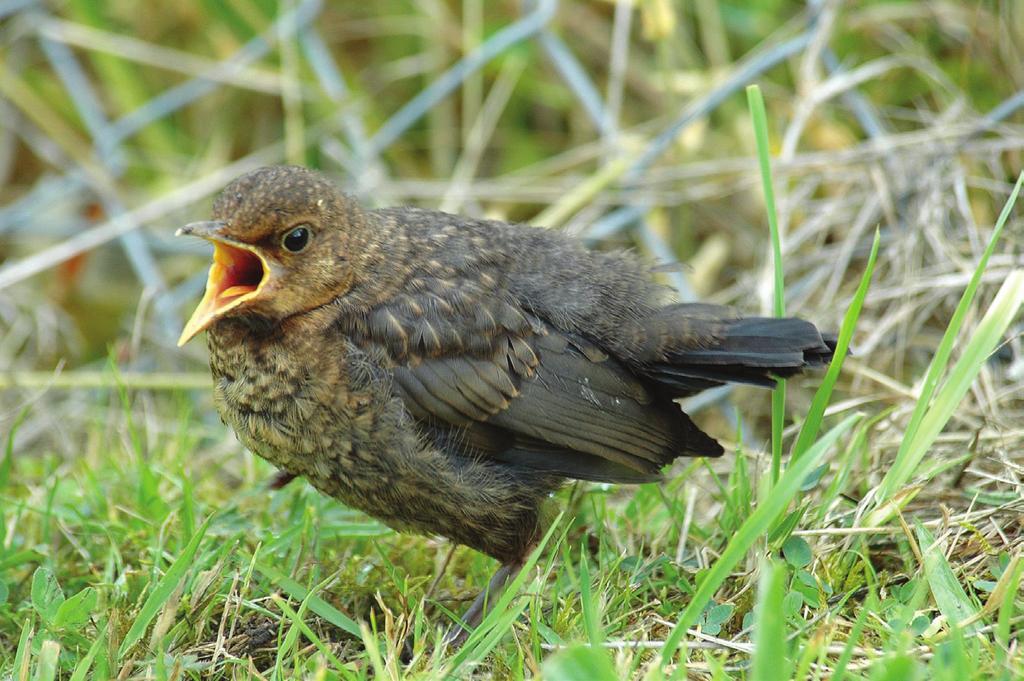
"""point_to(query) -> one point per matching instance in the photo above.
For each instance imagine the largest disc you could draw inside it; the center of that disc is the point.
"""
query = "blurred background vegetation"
(106, 108)
(623, 122)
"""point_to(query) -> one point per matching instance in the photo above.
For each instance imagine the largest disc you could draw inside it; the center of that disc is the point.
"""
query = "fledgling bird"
(446, 374)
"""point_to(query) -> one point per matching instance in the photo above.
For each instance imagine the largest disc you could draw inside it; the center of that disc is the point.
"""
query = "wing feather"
(524, 393)
(567, 410)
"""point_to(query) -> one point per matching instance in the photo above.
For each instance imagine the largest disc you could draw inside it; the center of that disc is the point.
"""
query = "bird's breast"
(288, 400)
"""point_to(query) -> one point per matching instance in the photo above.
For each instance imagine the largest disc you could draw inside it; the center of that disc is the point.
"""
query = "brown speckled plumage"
(445, 374)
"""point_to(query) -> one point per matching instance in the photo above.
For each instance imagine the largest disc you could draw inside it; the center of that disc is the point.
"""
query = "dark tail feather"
(755, 350)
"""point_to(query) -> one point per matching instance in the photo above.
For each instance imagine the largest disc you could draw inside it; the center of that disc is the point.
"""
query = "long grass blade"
(756, 524)
(812, 422)
(815, 415)
(163, 590)
(82, 668)
(912, 447)
(503, 613)
(770, 661)
(580, 662)
(949, 596)
(760, 120)
(316, 604)
(993, 325)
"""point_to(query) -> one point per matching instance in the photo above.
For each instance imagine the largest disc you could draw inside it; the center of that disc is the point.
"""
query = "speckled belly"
(334, 419)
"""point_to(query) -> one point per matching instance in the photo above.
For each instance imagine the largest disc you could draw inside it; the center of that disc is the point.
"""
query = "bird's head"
(281, 240)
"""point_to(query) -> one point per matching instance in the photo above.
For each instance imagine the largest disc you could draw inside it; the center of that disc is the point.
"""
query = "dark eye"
(296, 239)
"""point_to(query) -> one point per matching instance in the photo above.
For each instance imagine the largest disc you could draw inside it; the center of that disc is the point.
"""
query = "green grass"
(759, 117)
(930, 416)
(130, 560)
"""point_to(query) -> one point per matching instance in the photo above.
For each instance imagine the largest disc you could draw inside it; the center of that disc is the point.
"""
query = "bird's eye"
(297, 239)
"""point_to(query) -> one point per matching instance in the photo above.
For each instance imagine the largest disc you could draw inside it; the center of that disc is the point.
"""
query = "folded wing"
(553, 403)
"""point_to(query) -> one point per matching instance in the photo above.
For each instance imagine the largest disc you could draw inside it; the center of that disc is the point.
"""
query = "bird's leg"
(459, 632)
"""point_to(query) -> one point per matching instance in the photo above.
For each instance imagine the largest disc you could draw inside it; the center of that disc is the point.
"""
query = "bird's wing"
(550, 401)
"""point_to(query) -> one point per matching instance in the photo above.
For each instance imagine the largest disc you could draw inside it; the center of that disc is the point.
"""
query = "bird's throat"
(237, 275)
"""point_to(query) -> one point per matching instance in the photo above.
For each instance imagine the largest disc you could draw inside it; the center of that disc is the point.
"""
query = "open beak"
(238, 273)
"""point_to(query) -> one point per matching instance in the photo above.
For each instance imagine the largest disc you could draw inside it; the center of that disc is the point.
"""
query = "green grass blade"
(299, 625)
(284, 648)
(770, 661)
(812, 423)
(500, 618)
(165, 587)
(755, 101)
(870, 606)
(954, 661)
(760, 119)
(23, 655)
(910, 452)
(83, 666)
(76, 611)
(49, 657)
(580, 662)
(949, 595)
(763, 517)
(986, 337)
(7, 465)
(316, 604)
(372, 648)
(1006, 607)
(591, 616)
